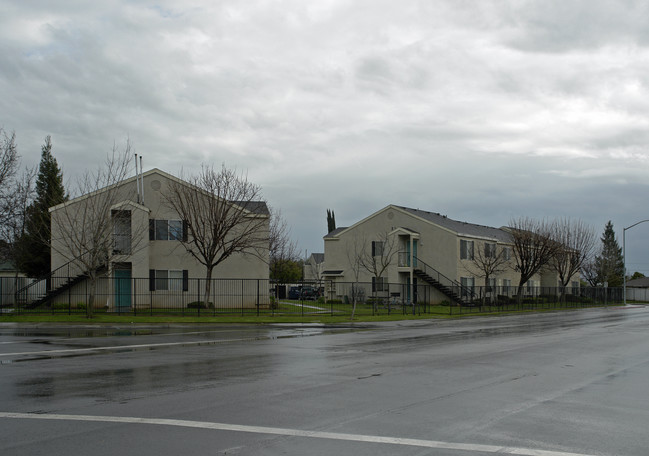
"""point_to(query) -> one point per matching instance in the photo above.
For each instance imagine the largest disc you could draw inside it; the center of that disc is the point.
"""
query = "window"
(491, 285)
(377, 248)
(575, 287)
(466, 250)
(176, 280)
(531, 287)
(507, 283)
(468, 284)
(161, 277)
(164, 279)
(489, 250)
(507, 253)
(166, 230)
(379, 284)
(121, 232)
(175, 230)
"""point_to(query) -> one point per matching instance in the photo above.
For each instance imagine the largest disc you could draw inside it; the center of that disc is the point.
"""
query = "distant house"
(146, 263)
(12, 280)
(314, 267)
(637, 289)
(422, 248)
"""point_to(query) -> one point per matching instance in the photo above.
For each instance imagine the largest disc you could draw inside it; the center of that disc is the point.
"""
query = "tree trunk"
(91, 296)
(519, 293)
(208, 287)
(353, 302)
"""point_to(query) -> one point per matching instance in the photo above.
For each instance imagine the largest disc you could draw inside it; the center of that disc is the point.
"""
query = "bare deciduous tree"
(488, 261)
(590, 271)
(223, 215)
(378, 258)
(575, 245)
(355, 254)
(533, 247)
(82, 229)
(8, 169)
(283, 252)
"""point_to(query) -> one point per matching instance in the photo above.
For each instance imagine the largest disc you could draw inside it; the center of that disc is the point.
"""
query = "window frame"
(168, 283)
(173, 229)
(466, 249)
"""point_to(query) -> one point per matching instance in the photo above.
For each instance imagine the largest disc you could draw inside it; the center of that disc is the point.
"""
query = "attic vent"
(155, 185)
(390, 215)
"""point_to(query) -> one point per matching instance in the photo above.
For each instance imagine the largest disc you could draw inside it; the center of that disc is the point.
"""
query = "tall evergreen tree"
(610, 263)
(34, 252)
(331, 220)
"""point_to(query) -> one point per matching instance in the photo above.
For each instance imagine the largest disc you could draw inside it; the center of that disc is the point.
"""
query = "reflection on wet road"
(560, 383)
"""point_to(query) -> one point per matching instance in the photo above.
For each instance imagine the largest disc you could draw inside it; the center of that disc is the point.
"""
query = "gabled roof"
(318, 257)
(333, 233)
(255, 207)
(642, 282)
(461, 228)
(455, 226)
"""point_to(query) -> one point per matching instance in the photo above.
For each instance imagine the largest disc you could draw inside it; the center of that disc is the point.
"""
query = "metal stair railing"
(54, 280)
(444, 281)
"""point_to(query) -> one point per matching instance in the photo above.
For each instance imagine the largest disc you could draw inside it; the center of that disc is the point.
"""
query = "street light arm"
(624, 253)
(638, 223)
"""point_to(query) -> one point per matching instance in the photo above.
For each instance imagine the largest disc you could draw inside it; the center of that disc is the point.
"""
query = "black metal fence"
(248, 297)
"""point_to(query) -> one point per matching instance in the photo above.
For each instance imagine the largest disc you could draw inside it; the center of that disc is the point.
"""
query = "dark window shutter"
(151, 230)
(373, 248)
(185, 226)
(373, 278)
(185, 280)
(151, 279)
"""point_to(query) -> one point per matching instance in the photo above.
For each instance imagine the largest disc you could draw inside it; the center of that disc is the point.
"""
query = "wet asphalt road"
(564, 383)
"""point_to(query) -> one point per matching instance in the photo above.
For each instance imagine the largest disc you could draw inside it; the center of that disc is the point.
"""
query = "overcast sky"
(479, 110)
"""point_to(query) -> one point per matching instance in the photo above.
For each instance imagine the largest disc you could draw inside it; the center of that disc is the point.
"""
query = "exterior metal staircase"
(454, 290)
(56, 282)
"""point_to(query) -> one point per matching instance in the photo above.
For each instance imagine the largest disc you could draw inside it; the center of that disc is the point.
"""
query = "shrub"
(66, 306)
(200, 305)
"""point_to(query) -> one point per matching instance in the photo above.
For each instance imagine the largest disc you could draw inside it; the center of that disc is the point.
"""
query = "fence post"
(134, 294)
(242, 297)
(257, 297)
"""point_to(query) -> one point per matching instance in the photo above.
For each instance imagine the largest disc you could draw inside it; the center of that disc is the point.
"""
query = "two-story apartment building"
(145, 242)
(411, 247)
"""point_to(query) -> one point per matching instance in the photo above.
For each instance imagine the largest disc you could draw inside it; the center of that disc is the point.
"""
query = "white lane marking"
(129, 347)
(297, 433)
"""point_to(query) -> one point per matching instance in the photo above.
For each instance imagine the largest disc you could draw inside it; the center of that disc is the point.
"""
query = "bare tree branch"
(82, 229)
(575, 246)
(223, 215)
(533, 247)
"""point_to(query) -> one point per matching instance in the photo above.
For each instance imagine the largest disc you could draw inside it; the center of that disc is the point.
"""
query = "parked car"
(309, 293)
(294, 292)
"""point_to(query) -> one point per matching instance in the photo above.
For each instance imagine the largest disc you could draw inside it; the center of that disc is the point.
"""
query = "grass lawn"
(286, 312)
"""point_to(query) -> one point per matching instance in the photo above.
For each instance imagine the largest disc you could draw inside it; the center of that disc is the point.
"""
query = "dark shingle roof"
(461, 228)
(318, 257)
(335, 232)
(642, 282)
(257, 207)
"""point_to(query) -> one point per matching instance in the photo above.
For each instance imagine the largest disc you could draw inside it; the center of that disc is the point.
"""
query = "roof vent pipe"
(137, 181)
(142, 178)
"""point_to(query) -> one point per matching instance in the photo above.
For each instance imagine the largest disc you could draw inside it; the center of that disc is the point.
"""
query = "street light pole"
(624, 252)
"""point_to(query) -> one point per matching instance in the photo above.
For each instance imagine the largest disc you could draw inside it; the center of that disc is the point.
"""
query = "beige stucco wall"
(154, 254)
(438, 247)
